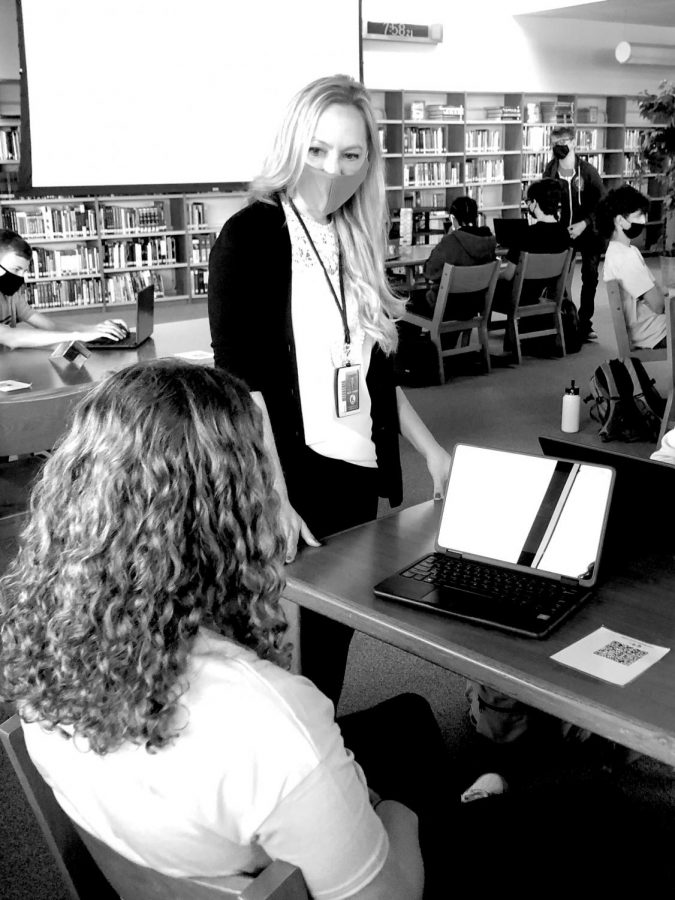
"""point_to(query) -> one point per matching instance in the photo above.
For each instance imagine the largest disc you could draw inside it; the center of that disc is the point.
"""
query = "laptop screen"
(526, 511)
(145, 316)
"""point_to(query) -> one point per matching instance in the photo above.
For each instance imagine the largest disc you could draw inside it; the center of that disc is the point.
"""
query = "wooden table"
(32, 420)
(639, 600)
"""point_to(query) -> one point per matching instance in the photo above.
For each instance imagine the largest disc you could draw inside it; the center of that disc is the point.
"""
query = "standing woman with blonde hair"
(300, 309)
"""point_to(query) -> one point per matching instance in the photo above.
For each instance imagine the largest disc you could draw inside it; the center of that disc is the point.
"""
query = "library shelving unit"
(98, 251)
(10, 135)
(490, 146)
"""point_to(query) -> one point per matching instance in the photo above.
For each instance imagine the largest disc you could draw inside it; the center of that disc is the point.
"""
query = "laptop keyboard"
(539, 598)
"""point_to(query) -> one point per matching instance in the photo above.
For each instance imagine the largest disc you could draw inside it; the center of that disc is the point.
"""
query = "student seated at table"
(545, 235)
(466, 244)
(621, 217)
(15, 260)
(143, 642)
(666, 451)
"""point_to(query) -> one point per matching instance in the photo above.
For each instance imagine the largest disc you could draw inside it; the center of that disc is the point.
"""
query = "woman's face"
(340, 142)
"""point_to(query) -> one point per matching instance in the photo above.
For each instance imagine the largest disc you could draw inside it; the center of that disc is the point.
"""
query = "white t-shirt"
(259, 772)
(624, 263)
(666, 452)
(319, 346)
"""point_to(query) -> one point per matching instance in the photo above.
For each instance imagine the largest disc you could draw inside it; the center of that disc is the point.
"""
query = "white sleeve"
(666, 452)
(635, 277)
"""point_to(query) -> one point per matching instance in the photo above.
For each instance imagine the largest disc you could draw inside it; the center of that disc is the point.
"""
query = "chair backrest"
(466, 280)
(543, 267)
(33, 422)
(615, 299)
(91, 869)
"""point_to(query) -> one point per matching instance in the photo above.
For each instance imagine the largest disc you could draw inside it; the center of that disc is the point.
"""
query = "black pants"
(545, 841)
(590, 247)
(330, 495)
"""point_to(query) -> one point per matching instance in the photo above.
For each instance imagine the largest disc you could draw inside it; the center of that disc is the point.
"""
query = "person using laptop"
(466, 244)
(15, 260)
(622, 216)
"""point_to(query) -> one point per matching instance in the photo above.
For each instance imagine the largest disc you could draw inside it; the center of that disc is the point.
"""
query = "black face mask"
(9, 282)
(560, 151)
(635, 230)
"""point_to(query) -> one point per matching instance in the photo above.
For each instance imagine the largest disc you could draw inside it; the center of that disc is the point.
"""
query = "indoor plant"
(658, 155)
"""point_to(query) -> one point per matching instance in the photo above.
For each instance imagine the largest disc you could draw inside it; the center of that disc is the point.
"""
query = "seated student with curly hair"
(621, 217)
(142, 639)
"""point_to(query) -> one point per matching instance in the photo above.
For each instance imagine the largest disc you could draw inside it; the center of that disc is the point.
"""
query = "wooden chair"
(537, 267)
(668, 420)
(624, 350)
(459, 280)
(90, 869)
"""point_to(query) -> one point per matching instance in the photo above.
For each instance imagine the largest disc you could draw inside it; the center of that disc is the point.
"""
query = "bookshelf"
(10, 135)
(490, 146)
(98, 251)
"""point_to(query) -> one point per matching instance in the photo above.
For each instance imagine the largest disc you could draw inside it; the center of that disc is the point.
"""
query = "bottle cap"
(572, 389)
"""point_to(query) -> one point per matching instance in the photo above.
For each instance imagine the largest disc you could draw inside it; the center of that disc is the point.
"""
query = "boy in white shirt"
(622, 216)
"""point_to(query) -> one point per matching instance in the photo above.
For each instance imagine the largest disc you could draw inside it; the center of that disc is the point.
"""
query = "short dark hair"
(563, 133)
(465, 210)
(10, 240)
(621, 201)
(547, 192)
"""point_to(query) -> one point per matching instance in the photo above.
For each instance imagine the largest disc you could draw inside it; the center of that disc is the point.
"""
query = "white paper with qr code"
(611, 656)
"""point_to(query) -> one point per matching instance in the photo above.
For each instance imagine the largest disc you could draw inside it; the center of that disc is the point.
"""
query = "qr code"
(621, 653)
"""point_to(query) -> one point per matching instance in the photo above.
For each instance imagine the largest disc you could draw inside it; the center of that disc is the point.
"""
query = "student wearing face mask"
(301, 311)
(582, 189)
(15, 260)
(621, 217)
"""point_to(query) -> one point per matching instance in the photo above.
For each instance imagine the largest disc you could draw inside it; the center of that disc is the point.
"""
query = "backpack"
(625, 402)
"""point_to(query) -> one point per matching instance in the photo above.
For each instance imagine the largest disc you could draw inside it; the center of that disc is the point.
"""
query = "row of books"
(197, 214)
(484, 139)
(200, 281)
(429, 174)
(80, 260)
(138, 254)
(631, 166)
(633, 139)
(536, 137)
(484, 170)
(124, 288)
(475, 191)
(10, 144)
(424, 140)
(130, 219)
(423, 197)
(54, 294)
(51, 222)
(201, 247)
(418, 110)
(552, 111)
(504, 113)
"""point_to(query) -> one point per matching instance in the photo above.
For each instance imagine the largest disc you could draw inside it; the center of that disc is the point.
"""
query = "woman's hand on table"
(294, 528)
(438, 463)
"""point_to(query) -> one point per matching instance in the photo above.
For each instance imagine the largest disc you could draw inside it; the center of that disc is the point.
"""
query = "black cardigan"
(250, 316)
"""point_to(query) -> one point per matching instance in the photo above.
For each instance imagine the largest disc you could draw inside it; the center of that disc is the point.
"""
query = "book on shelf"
(124, 287)
(586, 139)
(536, 137)
(488, 140)
(484, 170)
(47, 223)
(80, 260)
(199, 281)
(197, 214)
(201, 248)
(503, 113)
(58, 294)
(553, 112)
(448, 112)
(534, 165)
(130, 219)
(633, 139)
(10, 144)
(424, 140)
(431, 174)
(141, 253)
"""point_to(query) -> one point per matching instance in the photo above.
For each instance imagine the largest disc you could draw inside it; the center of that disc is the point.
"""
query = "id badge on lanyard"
(347, 394)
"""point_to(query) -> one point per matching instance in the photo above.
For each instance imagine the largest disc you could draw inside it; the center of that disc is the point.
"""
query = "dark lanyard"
(342, 306)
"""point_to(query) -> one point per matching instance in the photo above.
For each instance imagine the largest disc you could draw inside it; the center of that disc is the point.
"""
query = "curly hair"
(155, 515)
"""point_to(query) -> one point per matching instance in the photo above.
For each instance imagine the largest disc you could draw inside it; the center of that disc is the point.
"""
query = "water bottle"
(571, 407)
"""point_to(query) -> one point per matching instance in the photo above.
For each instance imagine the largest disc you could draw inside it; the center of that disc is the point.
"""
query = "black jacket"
(250, 273)
(587, 189)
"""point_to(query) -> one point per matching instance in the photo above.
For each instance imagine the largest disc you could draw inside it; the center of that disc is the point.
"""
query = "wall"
(9, 40)
(485, 49)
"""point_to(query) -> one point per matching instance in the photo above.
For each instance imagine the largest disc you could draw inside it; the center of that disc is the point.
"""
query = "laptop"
(518, 545)
(640, 483)
(510, 232)
(145, 319)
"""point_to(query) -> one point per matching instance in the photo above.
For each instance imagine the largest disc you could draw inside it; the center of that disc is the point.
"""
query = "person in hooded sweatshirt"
(466, 244)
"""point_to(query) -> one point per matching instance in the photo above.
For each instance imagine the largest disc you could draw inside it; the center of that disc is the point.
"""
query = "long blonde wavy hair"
(154, 516)
(362, 222)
